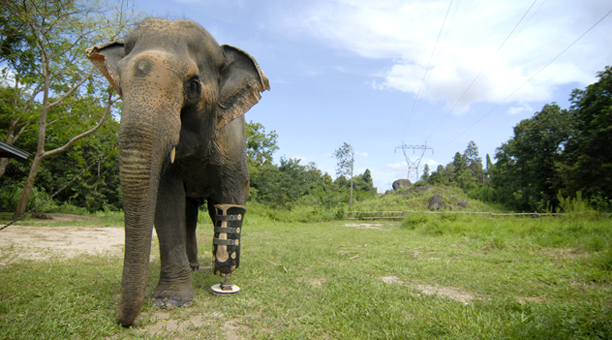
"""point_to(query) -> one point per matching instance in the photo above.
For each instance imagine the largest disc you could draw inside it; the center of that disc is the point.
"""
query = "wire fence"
(400, 215)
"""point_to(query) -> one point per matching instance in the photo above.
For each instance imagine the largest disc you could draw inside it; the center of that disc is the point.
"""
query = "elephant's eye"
(193, 88)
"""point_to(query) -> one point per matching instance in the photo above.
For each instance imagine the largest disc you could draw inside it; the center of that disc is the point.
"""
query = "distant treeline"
(554, 155)
(275, 185)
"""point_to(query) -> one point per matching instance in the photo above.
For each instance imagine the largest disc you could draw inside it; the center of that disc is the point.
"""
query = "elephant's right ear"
(241, 81)
(105, 57)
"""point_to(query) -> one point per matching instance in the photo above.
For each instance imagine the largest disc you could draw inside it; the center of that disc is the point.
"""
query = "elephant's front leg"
(191, 213)
(174, 288)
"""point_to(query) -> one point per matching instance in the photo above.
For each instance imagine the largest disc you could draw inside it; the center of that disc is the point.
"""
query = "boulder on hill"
(436, 202)
(401, 183)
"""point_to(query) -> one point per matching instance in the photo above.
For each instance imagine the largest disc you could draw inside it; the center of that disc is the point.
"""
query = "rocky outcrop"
(436, 202)
(401, 183)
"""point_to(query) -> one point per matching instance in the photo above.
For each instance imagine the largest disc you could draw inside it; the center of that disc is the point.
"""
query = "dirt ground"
(42, 243)
(45, 243)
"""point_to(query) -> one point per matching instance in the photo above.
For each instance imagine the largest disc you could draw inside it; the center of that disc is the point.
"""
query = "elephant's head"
(175, 82)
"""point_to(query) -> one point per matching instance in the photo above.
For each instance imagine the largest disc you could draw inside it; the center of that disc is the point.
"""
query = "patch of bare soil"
(162, 325)
(524, 300)
(564, 253)
(447, 292)
(366, 226)
(44, 243)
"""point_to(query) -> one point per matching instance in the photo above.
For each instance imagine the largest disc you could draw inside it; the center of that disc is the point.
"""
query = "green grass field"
(443, 276)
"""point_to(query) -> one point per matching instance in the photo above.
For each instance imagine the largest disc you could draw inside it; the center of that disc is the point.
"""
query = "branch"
(107, 110)
(77, 40)
(67, 116)
(58, 119)
(21, 131)
(65, 95)
(35, 93)
(277, 265)
(57, 75)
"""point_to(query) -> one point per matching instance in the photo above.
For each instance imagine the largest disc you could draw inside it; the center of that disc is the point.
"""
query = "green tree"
(363, 183)
(438, 177)
(458, 166)
(527, 168)
(59, 32)
(345, 155)
(589, 165)
(474, 162)
(260, 145)
(13, 123)
(425, 176)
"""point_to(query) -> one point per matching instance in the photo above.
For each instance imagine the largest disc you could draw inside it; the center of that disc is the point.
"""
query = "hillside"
(417, 198)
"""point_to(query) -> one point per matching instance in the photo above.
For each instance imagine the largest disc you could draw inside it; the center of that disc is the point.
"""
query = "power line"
(528, 80)
(416, 99)
(414, 165)
(481, 71)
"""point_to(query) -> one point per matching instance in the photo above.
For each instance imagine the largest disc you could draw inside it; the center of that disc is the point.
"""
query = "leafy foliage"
(556, 155)
(345, 155)
(560, 153)
(291, 184)
(527, 168)
(43, 44)
(465, 171)
(260, 145)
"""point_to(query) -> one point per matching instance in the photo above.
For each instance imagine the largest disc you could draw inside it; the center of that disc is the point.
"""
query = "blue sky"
(376, 74)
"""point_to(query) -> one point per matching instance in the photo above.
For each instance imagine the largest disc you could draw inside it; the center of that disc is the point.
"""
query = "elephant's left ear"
(105, 58)
(241, 81)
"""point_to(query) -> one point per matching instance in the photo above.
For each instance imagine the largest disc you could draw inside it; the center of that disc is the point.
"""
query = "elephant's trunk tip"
(127, 319)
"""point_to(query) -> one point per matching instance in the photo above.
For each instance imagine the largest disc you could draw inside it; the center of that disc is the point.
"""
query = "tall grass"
(413, 199)
(529, 278)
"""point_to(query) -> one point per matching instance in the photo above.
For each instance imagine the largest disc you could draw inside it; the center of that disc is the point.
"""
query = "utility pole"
(414, 165)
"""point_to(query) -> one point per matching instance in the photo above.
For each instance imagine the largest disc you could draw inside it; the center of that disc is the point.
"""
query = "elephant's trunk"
(149, 130)
(139, 181)
(142, 152)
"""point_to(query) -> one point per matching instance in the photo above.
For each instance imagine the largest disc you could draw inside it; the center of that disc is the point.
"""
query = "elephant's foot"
(171, 303)
(172, 297)
(226, 242)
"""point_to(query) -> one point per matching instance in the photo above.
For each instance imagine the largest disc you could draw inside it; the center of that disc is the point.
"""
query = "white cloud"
(520, 109)
(398, 166)
(406, 33)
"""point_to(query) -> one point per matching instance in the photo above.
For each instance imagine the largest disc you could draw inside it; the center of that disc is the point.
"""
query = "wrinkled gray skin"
(181, 91)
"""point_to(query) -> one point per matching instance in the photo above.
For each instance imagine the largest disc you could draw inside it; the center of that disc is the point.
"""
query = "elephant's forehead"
(181, 36)
(148, 62)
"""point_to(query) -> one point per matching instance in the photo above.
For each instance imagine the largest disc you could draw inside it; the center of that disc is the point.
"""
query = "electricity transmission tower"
(413, 165)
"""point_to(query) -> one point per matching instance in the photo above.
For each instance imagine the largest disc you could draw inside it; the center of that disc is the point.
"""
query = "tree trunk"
(42, 154)
(351, 198)
(3, 164)
(27, 190)
(352, 166)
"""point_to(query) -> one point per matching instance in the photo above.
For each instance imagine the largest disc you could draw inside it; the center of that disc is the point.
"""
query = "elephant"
(182, 142)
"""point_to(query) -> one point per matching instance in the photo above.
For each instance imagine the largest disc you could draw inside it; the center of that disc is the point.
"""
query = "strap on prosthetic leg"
(226, 242)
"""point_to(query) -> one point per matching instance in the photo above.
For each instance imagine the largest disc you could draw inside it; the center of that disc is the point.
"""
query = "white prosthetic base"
(232, 289)
(225, 288)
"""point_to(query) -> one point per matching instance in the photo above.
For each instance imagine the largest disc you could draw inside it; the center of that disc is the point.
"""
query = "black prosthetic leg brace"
(226, 244)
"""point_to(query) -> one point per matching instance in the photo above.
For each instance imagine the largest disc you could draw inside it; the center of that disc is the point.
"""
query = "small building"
(9, 151)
